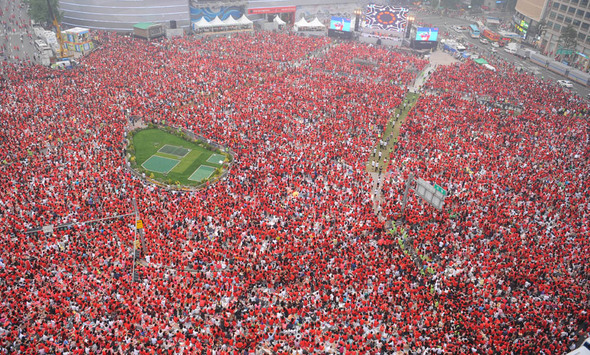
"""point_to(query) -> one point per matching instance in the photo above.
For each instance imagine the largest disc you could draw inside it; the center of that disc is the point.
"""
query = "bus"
(492, 36)
(473, 31)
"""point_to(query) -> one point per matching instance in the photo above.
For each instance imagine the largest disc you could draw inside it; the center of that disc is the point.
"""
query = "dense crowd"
(287, 255)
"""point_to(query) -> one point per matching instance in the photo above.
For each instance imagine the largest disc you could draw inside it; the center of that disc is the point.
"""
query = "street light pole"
(405, 198)
(357, 21)
(409, 22)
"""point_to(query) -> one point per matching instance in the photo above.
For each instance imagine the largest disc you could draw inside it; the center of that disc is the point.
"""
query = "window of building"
(587, 15)
(583, 3)
(563, 8)
(552, 15)
(577, 23)
(560, 18)
(585, 26)
(557, 27)
(571, 10)
(568, 20)
(580, 13)
(581, 36)
(575, 1)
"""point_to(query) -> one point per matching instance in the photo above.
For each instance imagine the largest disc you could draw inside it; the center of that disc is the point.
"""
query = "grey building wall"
(560, 14)
(121, 15)
(323, 9)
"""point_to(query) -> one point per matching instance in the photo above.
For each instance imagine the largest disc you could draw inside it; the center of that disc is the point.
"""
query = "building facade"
(121, 15)
(561, 14)
(527, 19)
(542, 21)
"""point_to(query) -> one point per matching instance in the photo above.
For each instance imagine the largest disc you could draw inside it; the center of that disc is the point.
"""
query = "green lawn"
(147, 142)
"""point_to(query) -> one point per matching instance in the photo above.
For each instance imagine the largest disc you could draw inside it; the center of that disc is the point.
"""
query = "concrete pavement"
(16, 33)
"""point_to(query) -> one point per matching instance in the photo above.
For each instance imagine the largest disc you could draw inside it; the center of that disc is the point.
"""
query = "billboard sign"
(340, 24)
(426, 34)
(386, 17)
(271, 10)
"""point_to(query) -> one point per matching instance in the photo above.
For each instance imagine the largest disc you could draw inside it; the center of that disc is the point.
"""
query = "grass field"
(170, 158)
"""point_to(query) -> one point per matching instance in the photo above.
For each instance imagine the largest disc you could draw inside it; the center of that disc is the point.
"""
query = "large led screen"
(426, 34)
(340, 24)
(386, 17)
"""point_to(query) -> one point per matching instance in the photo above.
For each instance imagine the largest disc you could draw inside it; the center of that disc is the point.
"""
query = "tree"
(568, 39)
(39, 12)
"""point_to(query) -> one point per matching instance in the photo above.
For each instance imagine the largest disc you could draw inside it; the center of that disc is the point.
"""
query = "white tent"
(216, 22)
(301, 24)
(202, 23)
(244, 20)
(316, 23)
(278, 20)
(230, 21)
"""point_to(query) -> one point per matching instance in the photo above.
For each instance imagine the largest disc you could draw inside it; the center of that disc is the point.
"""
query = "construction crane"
(62, 51)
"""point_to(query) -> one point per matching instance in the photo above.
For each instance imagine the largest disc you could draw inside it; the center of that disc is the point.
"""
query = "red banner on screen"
(271, 10)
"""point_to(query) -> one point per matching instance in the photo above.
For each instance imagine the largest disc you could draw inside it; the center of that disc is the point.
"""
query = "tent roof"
(216, 22)
(316, 23)
(201, 23)
(244, 20)
(230, 21)
(302, 23)
(278, 20)
(481, 61)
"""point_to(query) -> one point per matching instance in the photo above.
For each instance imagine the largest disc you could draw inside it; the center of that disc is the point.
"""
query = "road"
(16, 34)
(445, 25)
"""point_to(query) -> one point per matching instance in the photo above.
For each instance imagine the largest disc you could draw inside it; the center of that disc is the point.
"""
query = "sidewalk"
(378, 163)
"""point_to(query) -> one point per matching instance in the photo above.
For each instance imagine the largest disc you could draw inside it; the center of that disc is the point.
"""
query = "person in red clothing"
(297, 260)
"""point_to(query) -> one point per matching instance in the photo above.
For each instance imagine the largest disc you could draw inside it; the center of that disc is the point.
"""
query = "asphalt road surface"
(16, 33)
(445, 25)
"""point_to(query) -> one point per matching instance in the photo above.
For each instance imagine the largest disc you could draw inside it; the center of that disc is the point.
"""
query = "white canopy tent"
(301, 24)
(244, 21)
(279, 21)
(316, 24)
(230, 21)
(201, 24)
(216, 22)
(217, 25)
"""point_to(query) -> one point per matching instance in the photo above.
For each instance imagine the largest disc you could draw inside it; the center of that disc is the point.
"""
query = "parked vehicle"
(558, 67)
(565, 83)
(512, 48)
(579, 77)
(584, 349)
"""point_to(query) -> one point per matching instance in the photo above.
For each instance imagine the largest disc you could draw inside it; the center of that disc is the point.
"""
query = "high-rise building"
(542, 21)
(529, 14)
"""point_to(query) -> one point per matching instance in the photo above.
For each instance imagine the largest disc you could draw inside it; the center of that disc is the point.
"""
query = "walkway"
(378, 163)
